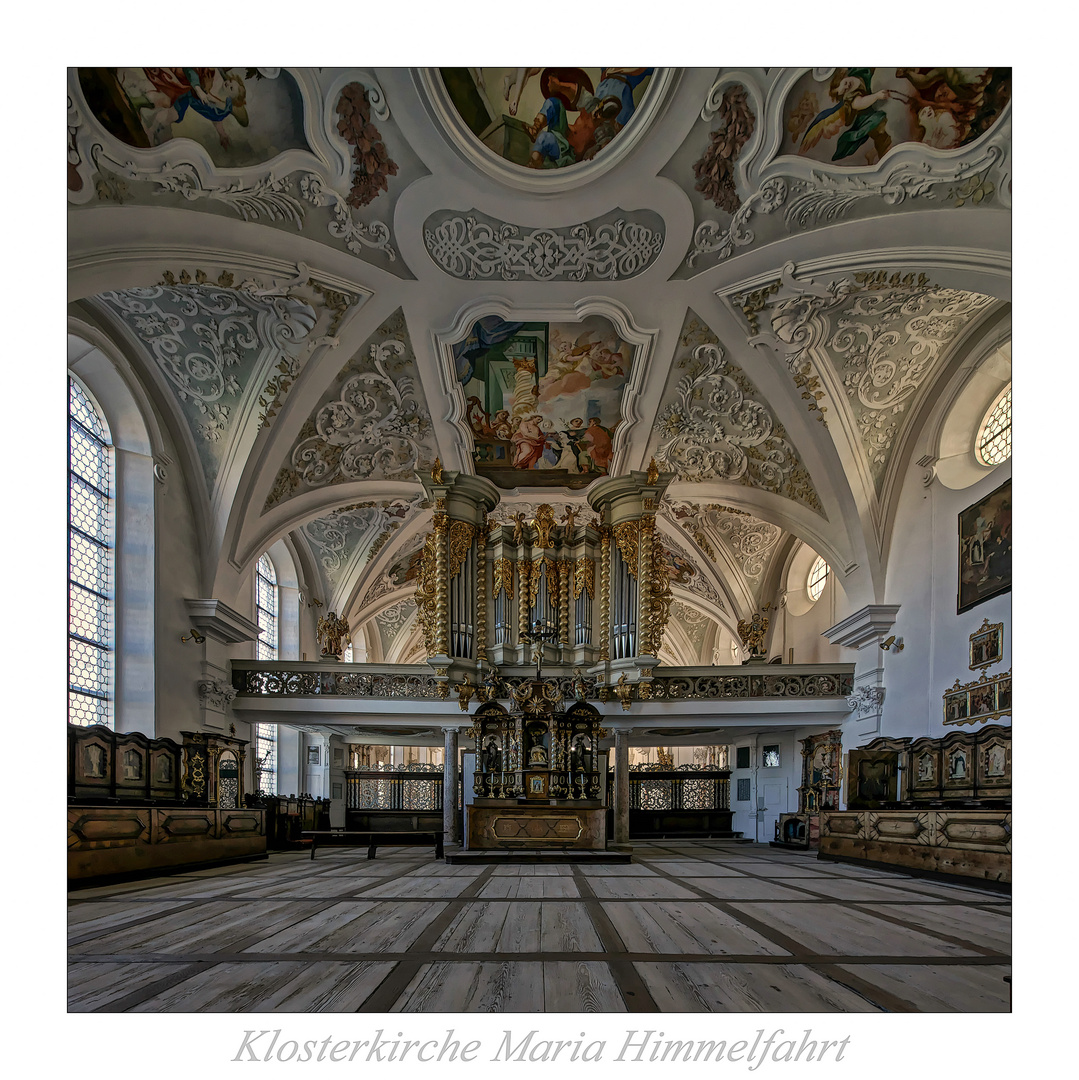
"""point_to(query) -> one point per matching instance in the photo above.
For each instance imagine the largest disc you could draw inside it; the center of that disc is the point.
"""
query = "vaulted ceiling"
(766, 279)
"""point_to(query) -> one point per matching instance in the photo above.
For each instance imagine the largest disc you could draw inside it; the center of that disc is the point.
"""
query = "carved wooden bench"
(376, 837)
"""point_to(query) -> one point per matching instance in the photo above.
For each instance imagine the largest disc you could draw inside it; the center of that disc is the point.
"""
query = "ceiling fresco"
(326, 279)
(857, 115)
(240, 116)
(544, 399)
(546, 117)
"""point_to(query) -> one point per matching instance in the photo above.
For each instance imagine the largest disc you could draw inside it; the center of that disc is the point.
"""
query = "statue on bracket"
(333, 635)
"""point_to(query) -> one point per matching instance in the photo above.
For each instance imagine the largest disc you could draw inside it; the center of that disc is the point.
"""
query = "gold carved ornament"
(426, 594)
(436, 471)
(653, 472)
(753, 632)
(543, 522)
(661, 594)
(627, 536)
(461, 536)
(503, 577)
(584, 577)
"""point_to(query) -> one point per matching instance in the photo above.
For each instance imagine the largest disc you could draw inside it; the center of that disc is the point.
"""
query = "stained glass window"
(817, 579)
(995, 438)
(90, 572)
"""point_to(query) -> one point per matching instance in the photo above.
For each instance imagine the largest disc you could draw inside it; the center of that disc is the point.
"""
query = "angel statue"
(333, 635)
(753, 633)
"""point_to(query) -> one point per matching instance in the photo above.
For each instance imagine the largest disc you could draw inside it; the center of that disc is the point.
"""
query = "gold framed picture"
(986, 645)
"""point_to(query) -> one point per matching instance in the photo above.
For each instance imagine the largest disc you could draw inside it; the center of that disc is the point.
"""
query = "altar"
(540, 775)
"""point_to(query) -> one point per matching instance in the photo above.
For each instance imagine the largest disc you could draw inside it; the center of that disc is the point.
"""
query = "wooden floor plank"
(944, 988)
(581, 986)
(704, 987)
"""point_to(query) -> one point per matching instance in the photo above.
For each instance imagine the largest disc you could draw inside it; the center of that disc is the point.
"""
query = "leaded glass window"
(995, 437)
(266, 734)
(817, 579)
(90, 562)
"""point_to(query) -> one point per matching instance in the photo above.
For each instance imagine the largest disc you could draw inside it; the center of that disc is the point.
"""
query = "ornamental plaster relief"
(372, 424)
(474, 246)
(359, 530)
(714, 425)
(883, 337)
(215, 345)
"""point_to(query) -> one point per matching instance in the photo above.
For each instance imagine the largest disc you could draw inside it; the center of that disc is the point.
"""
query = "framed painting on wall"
(985, 548)
(986, 645)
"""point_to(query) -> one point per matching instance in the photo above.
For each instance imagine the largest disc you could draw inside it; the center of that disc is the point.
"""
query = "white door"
(775, 803)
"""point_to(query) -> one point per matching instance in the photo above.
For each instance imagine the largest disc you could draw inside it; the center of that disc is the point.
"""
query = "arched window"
(994, 444)
(817, 579)
(90, 563)
(266, 610)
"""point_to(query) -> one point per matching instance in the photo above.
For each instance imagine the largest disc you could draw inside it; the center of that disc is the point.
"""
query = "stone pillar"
(450, 778)
(605, 593)
(621, 786)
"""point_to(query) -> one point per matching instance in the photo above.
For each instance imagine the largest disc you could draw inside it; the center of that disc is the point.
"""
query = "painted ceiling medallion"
(855, 116)
(546, 128)
(543, 399)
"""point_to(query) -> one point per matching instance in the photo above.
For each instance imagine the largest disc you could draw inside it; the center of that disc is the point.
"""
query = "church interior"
(539, 540)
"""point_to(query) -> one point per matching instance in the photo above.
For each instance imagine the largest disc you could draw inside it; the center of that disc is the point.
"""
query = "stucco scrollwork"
(715, 429)
(474, 246)
(866, 700)
(216, 694)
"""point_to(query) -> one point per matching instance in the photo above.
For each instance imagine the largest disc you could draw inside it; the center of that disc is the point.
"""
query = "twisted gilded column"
(441, 521)
(481, 591)
(644, 586)
(605, 592)
(524, 600)
(564, 568)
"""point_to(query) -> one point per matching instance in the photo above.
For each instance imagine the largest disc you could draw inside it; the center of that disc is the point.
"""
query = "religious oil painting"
(547, 117)
(985, 548)
(986, 645)
(544, 399)
(241, 116)
(854, 116)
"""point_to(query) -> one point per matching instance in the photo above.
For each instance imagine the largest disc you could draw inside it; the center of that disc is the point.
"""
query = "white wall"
(923, 579)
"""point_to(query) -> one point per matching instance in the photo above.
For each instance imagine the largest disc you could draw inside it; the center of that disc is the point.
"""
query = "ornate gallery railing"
(410, 788)
(253, 678)
(686, 787)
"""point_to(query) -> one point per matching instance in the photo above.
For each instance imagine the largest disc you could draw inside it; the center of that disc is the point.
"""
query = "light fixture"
(194, 636)
(893, 643)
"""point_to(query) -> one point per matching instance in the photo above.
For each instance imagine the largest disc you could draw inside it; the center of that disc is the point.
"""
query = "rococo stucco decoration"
(271, 158)
(353, 531)
(883, 335)
(618, 245)
(373, 424)
(715, 425)
(211, 343)
(866, 700)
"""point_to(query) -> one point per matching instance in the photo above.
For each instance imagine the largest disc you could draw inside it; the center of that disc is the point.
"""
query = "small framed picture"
(741, 757)
(770, 758)
(336, 792)
(313, 755)
(983, 700)
(1004, 694)
(956, 708)
(743, 790)
(338, 756)
(986, 645)
(536, 785)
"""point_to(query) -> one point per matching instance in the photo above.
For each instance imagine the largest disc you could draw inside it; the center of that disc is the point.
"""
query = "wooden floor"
(688, 926)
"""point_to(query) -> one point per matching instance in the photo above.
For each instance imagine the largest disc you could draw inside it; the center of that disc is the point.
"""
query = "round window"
(994, 443)
(817, 579)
